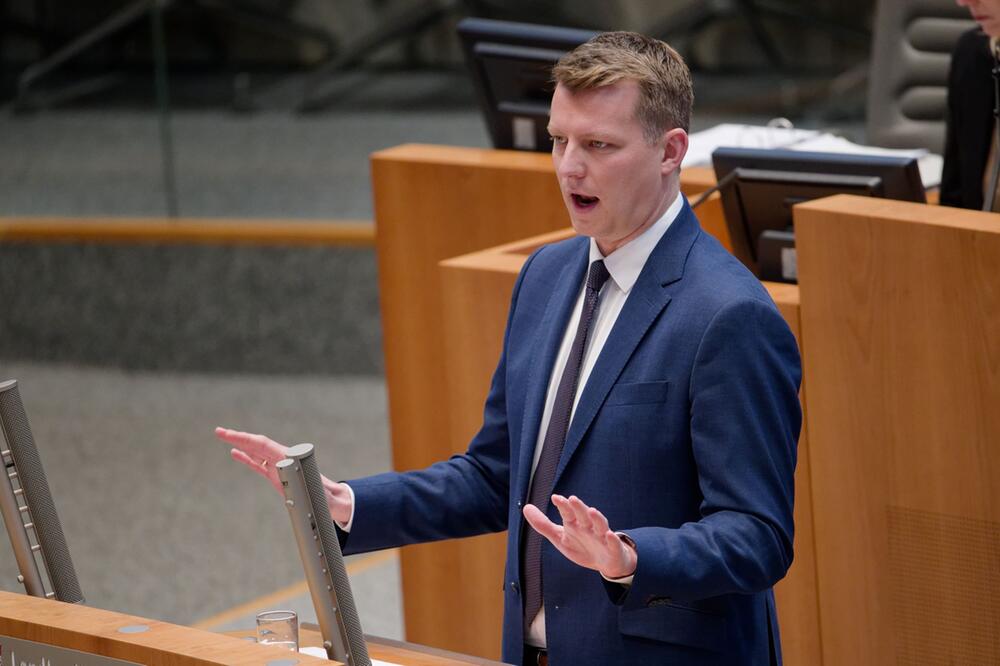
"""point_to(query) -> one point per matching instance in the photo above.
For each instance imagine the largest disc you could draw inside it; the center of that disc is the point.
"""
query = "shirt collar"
(625, 263)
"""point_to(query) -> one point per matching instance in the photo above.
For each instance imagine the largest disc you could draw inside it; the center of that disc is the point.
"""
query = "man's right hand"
(261, 454)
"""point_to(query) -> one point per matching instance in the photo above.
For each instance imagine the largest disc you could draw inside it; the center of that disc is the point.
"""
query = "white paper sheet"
(730, 135)
(702, 144)
(930, 164)
(321, 653)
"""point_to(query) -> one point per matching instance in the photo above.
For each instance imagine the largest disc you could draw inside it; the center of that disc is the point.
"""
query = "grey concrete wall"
(203, 308)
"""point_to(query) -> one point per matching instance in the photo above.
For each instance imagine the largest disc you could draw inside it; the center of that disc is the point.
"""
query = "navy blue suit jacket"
(684, 437)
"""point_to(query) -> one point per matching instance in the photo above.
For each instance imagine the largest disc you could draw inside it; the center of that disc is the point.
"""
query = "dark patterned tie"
(555, 437)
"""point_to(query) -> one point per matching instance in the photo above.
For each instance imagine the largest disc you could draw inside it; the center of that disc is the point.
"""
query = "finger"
(255, 445)
(598, 523)
(579, 511)
(241, 457)
(565, 511)
(541, 523)
(253, 463)
(266, 471)
(264, 460)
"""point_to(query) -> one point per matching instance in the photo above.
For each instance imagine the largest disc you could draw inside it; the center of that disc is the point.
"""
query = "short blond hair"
(666, 94)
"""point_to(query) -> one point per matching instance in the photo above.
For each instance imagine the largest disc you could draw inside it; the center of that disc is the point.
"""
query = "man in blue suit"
(639, 437)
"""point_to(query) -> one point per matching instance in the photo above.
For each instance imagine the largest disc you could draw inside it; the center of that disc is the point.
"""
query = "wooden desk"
(95, 631)
(385, 649)
(431, 203)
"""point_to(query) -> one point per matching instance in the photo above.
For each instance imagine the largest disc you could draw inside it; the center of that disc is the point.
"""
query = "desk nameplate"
(20, 652)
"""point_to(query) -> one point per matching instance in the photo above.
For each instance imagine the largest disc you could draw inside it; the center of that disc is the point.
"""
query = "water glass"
(280, 628)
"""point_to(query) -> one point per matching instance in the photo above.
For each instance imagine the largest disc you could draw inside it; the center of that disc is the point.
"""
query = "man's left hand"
(584, 537)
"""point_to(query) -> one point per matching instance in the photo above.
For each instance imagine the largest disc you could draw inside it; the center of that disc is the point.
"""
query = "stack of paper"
(703, 144)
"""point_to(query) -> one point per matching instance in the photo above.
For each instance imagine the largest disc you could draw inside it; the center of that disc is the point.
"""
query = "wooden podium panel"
(901, 320)
(96, 632)
(431, 203)
(476, 290)
(99, 632)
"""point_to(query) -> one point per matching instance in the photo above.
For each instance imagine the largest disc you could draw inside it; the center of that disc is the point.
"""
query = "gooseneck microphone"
(29, 513)
(321, 556)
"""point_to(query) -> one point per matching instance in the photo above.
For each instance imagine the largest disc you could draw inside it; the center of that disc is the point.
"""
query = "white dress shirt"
(624, 266)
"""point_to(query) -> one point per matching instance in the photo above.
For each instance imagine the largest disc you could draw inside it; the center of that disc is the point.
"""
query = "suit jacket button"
(514, 587)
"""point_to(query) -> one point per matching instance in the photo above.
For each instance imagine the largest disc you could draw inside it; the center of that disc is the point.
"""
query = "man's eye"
(598, 144)
(557, 140)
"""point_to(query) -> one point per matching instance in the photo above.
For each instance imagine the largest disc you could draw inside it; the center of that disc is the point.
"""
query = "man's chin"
(583, 227)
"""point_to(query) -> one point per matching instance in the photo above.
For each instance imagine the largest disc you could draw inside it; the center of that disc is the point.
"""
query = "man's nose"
(572, 164)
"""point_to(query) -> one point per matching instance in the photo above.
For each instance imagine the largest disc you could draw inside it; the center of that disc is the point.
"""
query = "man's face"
(986, 13)
(614, 183)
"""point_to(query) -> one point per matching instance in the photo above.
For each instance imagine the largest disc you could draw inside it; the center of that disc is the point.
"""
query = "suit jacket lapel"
(644, 304)
(565, 290)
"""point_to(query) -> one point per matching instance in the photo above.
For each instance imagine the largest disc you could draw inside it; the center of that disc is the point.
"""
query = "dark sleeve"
(969, 121)
(463, 496)
(951, 181)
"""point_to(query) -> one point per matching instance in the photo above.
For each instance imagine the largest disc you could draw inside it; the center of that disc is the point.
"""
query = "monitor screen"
(760, 188)
(511, 66)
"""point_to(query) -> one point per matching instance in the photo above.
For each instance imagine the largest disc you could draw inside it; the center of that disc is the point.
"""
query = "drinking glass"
(280, 628)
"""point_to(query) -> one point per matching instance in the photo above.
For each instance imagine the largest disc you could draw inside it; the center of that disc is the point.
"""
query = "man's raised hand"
(260, 453)
(584, 537)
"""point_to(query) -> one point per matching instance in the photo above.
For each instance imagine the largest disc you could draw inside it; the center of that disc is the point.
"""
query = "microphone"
(322, 558)
(24, 481)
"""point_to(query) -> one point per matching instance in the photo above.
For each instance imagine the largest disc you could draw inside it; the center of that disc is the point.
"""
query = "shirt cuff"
(624, 580)
(346, 527)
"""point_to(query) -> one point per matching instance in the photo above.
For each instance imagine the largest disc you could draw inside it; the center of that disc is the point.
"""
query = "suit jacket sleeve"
(969, 122)
(463, 496)
(744, 424)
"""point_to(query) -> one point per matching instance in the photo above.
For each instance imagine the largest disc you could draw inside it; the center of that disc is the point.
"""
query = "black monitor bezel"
(517, 42)
(899, 178)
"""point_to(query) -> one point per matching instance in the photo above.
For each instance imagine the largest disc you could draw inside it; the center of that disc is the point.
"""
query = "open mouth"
(584, 202)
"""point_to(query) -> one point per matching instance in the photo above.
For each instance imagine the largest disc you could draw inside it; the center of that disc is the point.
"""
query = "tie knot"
(597, 276)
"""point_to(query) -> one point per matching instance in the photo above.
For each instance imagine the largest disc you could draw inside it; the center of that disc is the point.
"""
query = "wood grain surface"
(95, 631)
(901, 322)
(349, 233)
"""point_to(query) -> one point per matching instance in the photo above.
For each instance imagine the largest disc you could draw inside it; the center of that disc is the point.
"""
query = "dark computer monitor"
(760, 187)
(511, 66)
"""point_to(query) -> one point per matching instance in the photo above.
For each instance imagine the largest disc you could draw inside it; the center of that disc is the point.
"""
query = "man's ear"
(675, 146)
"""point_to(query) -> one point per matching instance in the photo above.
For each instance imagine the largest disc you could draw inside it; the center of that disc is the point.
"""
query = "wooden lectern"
(901, 324)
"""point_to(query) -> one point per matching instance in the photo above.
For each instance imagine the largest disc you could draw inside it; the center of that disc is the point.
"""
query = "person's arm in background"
(951, 180)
